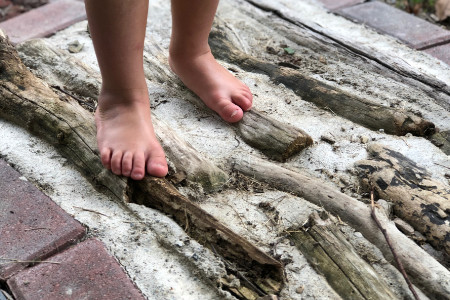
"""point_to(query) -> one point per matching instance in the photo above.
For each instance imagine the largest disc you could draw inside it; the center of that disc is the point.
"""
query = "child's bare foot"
(218, 89)
(125, 135)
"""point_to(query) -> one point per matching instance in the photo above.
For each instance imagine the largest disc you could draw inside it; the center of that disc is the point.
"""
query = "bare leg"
(125, 134)
(191, 59)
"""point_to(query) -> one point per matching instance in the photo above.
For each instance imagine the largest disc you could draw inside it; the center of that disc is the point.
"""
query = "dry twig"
(394, 253)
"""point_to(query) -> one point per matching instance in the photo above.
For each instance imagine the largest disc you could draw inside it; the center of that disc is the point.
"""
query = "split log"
(342, 103)
(277, 140)
(426, 272)
(61, 69)
(363, 56)
(30, 103)
(418, 199)
(328, 251)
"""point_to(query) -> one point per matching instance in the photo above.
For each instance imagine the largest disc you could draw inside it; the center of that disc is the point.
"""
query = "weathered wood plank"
(418, 199)
(425, 271)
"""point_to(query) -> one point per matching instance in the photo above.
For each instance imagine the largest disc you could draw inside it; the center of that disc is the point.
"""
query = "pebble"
(409, 134)
(179, 244)
(358, 234)
(381, 130)
(75, 47)
(364, 139)
(403, 226)
(300, 289)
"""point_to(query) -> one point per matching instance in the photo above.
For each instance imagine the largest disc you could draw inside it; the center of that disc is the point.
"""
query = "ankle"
(111, 97)
(179, 55)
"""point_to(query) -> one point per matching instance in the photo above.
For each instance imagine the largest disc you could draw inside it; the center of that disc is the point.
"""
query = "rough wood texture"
(65, 71)
(424, 270)
(390, 65)
(28, 102)
(327, 249)
(418, 199)
(197, 169)
(208, 231)
(442, 141)
(275, 139)
(356, 109)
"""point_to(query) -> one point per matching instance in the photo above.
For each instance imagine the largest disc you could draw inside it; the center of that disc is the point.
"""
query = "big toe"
(229, 111)
(157, 165)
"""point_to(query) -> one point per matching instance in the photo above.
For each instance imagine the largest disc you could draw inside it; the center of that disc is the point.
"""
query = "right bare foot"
(125, 135)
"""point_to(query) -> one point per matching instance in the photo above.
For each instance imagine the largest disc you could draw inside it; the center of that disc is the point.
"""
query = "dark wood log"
(423, 269)
(30, 103)
(276, 139)
(328, 251)
(342, 103)
(442, 141)
(62, 70)
(418, 199)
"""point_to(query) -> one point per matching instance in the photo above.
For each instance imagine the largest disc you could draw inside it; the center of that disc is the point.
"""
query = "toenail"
(234, 113)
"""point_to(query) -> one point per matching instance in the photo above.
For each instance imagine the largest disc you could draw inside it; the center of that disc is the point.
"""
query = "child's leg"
(191, 59)
(125, 135)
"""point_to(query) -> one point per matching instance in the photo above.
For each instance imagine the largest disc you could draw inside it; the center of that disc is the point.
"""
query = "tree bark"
(425, 271)
(327, 249)
(418, 199)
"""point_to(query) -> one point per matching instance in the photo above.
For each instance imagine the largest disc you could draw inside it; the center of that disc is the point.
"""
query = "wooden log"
(198, 169)
(277, 140)
(328, 251)
(342, 103)
(390, 64)
(30, 103)
(425, 271)
(60, 69)
(418, 199)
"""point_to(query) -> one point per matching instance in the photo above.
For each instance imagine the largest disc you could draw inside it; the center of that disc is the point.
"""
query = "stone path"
(41, 256)
(411, 30)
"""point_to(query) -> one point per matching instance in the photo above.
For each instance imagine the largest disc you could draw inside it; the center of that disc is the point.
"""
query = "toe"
(157, 165)
(105, 156)
(229, 111)
(138, 171)
(243, 101)
(127, 164)
(116, 162)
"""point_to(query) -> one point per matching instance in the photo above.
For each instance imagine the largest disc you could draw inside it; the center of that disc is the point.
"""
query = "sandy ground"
(157, 254)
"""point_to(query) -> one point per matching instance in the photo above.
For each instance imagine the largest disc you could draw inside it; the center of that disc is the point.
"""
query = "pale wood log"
(276, 139)
(327, 249)
(418, 199)
(342, 103)
(425, 271)
(61, 69)
(30, 103)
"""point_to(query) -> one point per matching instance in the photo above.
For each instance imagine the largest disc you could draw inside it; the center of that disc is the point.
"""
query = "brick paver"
(415, 32)
(44, 21)
(337, 4)
(441, 52)
(86, 271)
(32, 226)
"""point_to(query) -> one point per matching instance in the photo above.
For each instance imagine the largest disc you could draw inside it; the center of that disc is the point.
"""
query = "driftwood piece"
(60, 69)
(197, 169)
(277, 140)
(261, 269)
(327, 249)
(418, 199)
(30, 103)
(425, 271)
(342, 103)
(390, 65)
